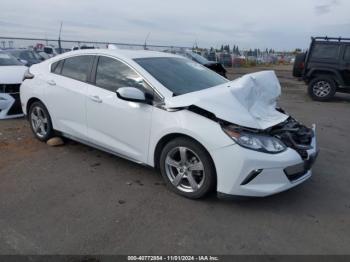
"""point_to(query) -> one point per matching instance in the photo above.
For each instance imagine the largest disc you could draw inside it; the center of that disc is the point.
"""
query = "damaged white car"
(202, 131)
(11, 76)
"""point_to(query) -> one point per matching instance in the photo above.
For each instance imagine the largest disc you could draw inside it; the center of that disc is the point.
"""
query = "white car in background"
(202, 131)
(11, 76)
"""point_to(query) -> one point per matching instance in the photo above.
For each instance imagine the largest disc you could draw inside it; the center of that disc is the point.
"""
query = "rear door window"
(77, 67)
(325, 51)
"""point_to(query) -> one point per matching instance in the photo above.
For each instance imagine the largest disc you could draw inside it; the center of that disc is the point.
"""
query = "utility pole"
(145, 44)
(59, 39)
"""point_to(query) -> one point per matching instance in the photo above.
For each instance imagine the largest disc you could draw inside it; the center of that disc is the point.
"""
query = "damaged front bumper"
(244, 172)
(10, 106)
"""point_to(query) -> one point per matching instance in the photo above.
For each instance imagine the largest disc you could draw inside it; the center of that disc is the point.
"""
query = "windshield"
(27, 55)
(180, 75)
(8, 60)
(198, 58)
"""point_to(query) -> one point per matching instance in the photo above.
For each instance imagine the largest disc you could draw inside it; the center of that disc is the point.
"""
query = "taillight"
(302, 65)
(27, 75)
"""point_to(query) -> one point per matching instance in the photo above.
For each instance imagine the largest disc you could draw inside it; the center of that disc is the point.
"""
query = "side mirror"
(25, 62)
(132, 94)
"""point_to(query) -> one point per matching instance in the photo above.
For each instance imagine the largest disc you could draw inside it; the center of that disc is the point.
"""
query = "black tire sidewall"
(209, 169)
(331, 94)
(50, 131)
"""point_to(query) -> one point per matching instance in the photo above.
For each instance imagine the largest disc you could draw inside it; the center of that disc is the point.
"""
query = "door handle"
(96, 99)
(51, 82)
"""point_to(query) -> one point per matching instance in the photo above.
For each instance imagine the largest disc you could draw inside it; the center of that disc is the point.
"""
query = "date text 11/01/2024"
(173, 258)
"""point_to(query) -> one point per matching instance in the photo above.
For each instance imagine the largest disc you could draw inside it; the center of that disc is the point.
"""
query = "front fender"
(204, 130)
(320, 70)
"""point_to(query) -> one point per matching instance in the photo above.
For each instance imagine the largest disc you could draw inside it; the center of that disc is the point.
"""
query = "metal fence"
(61, 45)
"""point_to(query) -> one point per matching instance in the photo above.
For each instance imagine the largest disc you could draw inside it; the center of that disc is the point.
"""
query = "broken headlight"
(258, 142)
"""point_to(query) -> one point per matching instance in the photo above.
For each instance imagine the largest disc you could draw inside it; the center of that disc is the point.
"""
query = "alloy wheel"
(184, 169)
(39, 121)
(322, 88)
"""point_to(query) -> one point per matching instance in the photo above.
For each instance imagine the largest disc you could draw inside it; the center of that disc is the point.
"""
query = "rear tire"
(187, 168)
(40, 121)
(322, 88)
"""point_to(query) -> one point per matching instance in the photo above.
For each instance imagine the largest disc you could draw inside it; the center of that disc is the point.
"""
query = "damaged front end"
(276, 139)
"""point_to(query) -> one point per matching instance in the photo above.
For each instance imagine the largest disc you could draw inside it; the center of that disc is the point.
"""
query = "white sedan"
(202, 131)
(11, 76)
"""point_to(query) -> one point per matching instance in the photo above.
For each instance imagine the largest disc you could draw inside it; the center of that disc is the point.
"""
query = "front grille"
(16, 108)
(10, 88)
(297, 171)
(303, 153)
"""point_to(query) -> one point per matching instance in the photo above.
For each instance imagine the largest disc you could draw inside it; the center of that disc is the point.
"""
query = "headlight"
(263, 143)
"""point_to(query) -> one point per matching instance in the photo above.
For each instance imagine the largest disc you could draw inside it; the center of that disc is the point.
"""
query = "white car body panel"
(66, 99)
(12, 74)
(119, 125)
(98, 117)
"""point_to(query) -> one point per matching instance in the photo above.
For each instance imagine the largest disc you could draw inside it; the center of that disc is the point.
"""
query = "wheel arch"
(30, 102)
(167, 138)
(317, 72)
(33, 100)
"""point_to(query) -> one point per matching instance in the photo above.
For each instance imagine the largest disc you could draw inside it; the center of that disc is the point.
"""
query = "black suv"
(325, 67)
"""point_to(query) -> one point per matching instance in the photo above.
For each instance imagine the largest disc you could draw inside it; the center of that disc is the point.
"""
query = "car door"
(346, 65)
(66, 94)
(115, 124)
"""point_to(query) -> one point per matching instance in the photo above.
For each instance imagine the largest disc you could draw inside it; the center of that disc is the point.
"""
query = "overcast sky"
(279, 24)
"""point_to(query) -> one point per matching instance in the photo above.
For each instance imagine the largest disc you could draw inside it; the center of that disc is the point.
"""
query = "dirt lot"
(77, 200)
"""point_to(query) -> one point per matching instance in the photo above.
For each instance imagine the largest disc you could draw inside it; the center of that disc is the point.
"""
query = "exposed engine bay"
(294, 135)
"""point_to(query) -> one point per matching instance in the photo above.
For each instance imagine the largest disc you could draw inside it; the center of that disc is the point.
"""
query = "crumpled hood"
(248, 101)
(12, 74)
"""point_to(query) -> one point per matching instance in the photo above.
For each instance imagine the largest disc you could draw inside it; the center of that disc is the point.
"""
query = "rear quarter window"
(56, 67)
(325, 51)
(77, 67)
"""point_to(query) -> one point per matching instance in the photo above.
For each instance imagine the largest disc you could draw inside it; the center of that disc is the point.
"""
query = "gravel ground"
(77, 200)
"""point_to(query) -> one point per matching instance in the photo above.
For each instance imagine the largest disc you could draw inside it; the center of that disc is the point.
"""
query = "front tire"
(40, 121)
(187, 168)
(322, 88)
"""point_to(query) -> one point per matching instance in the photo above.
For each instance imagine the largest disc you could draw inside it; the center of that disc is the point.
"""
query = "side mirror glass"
(25, 62)
(131, 94)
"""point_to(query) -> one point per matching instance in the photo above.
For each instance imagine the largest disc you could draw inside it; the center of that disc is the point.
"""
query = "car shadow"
(341, 97)
(289, 199)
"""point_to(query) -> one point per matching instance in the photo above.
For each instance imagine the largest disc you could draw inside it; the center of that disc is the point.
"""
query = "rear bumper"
(244, 172)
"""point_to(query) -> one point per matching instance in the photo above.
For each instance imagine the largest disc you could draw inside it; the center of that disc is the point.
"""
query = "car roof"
(131, 54)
